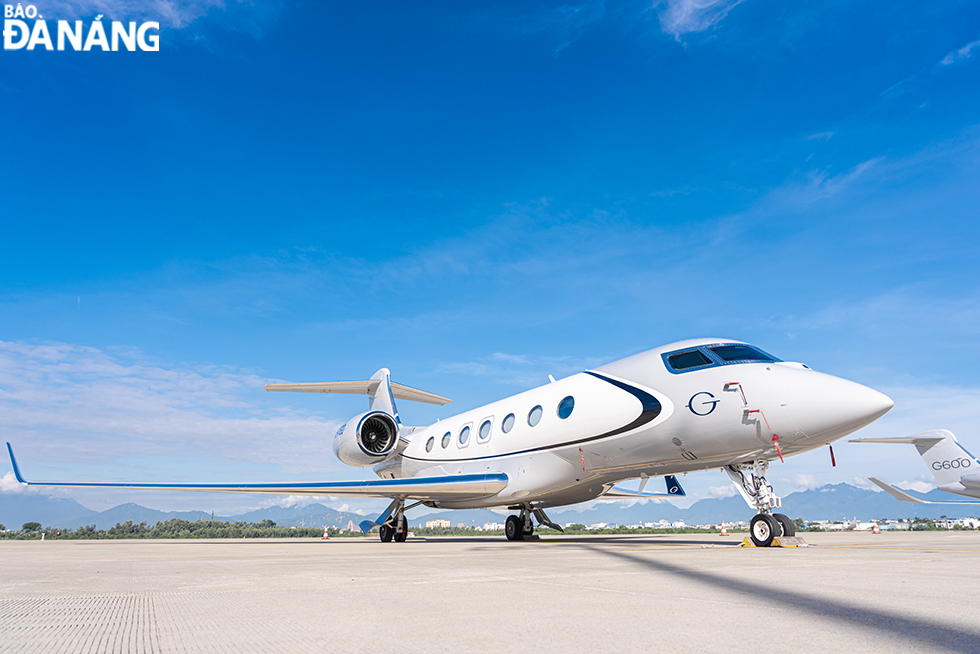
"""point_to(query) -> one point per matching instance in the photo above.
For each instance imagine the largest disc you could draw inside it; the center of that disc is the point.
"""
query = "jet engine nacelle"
(366, 439)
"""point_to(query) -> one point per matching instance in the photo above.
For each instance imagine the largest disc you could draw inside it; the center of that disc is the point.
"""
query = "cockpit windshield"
(740, 353)
(689, 359)
(709, 356)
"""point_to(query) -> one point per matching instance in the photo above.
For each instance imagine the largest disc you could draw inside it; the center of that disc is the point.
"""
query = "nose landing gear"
(766, 526)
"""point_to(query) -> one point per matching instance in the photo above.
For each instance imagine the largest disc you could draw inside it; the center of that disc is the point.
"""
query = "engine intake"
(366, 439)
(377, 435)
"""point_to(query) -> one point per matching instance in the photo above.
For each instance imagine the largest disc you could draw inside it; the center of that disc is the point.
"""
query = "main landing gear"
(397, 532)
(522, 527)
(766, 526)
(395, 528)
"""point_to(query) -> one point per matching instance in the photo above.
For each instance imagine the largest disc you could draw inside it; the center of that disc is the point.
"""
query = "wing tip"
(13, 463)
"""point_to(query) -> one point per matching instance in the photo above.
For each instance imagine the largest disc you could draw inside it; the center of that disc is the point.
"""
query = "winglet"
(902, 496)
(13, 462)
(674, 487)
(899, 495)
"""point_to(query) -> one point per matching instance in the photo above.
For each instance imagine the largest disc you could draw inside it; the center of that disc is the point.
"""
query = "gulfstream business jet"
(694, 405)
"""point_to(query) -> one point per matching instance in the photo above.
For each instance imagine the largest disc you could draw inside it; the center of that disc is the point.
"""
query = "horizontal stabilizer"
(369, 387)
(902, 496)
(906, 440)
(447, 487)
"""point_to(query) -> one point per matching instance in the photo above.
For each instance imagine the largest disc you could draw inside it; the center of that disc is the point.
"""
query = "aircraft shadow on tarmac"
(929, 634)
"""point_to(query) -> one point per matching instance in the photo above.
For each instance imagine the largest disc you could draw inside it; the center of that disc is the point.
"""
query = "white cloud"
(808, 482)
(720, 492)
(296, 500)
(72, 403)
(567, 22)
(172, 14)
(822, 185)
(959, 54)
(917, 486)
(864, 484)
(680, 17)
(9, 484)
(520, 369)
(570, 22)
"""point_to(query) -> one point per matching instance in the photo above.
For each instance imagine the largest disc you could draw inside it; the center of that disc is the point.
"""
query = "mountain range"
(832, 502)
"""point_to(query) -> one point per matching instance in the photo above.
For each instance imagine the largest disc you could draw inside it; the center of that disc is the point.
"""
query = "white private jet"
(693, 405)
(956, 470)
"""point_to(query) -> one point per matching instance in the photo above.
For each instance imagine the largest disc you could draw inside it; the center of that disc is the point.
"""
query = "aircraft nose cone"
(865, 404)
(831, 407)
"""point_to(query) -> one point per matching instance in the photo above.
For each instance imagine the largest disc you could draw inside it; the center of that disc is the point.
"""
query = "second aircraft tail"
(948, 461)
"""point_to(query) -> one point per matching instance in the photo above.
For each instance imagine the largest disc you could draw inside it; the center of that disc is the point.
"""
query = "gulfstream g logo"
(17, 34)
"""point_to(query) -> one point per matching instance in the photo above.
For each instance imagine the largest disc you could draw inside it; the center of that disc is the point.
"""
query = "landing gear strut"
(766, 526)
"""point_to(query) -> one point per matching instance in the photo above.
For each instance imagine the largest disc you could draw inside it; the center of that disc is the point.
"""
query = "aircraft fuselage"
(638, 417)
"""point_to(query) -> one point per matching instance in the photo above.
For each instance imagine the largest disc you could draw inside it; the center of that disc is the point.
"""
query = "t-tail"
(371, 437)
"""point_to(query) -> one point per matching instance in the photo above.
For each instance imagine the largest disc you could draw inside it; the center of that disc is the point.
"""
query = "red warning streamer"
(775, 439)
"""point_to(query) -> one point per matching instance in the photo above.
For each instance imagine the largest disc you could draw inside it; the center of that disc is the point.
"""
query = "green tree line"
(171, 529)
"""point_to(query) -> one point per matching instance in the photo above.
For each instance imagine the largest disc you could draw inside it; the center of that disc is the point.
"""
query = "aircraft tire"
(513, 529)
(400, 536)
(763, 530)
(386, 533)
(786, 525)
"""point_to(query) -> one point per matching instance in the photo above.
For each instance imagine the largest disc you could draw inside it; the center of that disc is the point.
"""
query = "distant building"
(437, 524)
(493, 526)
(350, 526)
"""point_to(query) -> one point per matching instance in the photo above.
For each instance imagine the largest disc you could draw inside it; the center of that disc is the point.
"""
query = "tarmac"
(892, 592)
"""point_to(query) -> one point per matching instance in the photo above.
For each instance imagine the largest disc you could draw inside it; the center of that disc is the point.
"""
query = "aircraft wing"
(902, 496)
(423, 488)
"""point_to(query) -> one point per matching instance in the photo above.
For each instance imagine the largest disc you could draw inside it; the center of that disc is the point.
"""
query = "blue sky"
(476, 197)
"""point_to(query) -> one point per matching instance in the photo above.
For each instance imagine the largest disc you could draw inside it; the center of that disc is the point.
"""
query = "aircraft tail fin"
(948, 461)
(946, 458)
